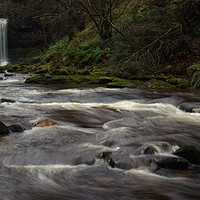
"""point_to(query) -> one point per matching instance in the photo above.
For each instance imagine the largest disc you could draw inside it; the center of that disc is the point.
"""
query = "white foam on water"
(146, 175)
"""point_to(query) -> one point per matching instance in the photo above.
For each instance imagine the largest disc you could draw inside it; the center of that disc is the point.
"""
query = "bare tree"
(45, 20)
(100, 12)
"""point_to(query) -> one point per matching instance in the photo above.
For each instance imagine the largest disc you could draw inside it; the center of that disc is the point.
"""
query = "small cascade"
(3, 42)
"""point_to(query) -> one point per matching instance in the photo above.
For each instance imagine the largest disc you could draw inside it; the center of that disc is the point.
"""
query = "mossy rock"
(13, 67)
(157, 84)
(62, 79)
(56, 80)
(105, 80)
(179, 82)
(59, 72)
(38, 79)
(4, 130)
(142, 77)
(173, 163)
(190, 153)
(3, 69)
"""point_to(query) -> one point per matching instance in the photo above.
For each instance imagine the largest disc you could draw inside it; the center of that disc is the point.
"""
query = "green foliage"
(55, 50)
(194, 73)
(156, 47)
(179, 82)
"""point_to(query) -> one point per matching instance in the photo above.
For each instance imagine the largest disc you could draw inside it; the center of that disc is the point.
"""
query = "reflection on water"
(69, 161)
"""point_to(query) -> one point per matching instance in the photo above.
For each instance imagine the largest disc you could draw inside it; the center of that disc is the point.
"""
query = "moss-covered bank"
(159, 47)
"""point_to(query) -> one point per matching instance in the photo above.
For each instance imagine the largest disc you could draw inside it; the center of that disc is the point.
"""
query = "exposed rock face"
(45, 122)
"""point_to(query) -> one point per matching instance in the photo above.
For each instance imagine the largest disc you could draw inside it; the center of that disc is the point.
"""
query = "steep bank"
(159, 44)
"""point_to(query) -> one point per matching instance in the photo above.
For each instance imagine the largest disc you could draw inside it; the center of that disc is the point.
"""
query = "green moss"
(38, 79)
(142, 77)
(194, 73)
(157, 84)
(179, 82)
(12, 67)
(195, 83)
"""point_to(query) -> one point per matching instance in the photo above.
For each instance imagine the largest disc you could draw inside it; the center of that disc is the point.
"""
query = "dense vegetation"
(134, 41)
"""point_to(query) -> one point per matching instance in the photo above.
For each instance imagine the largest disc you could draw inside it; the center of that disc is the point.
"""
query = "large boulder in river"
(190, 153)
(173, 163)
(193, 107)
(45, 122)
(4, 130)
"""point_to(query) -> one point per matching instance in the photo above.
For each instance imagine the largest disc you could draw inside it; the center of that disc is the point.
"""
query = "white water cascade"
(3, 42)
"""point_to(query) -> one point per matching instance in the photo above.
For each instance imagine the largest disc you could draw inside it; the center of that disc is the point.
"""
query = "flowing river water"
(64, 161)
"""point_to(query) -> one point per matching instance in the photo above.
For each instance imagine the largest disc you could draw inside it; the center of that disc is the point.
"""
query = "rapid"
(64, 161)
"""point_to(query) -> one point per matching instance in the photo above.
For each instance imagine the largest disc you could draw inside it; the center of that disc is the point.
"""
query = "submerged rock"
(153, 148)
(190, 153)
(193, 107)
(120, 160)
(45, 122)
(16, 128)
(173, 163)
(3, 100)
(4, 130)
(86, 159)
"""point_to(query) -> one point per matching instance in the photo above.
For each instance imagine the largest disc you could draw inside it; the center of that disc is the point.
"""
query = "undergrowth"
(156, 34)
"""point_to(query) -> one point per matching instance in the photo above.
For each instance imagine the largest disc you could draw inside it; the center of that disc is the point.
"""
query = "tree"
(41, 22)
(100, 12)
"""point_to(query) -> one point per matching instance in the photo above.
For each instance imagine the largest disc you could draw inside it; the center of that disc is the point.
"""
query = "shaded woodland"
(128, 39)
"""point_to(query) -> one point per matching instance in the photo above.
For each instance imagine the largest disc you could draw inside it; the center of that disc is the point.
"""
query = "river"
(65, 161)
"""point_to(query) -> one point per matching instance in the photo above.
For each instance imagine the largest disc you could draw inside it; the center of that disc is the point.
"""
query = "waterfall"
(3, 42)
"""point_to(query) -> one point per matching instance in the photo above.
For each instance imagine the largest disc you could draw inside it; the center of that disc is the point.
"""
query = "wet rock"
(105, 155)
(149, 150)
(108, 143)
(45, 122)
(8, 74)
(4, 130)
(173, 163)
(117, 159)
(193, 107)
(190, 153)
(120, 160)
(111, 162)
(16, 128)
(105, 80)
(2, 70)
(153, 148)
(1, 78)
(7, 100)
(87, 159)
